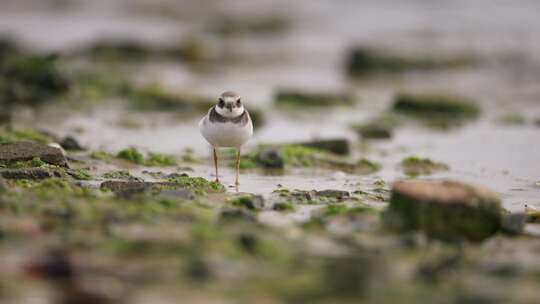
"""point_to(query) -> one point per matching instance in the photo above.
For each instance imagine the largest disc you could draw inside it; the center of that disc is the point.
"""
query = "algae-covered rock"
(381, 126)
(446, 210)
(193, 50)
(338, 146)
(436, 109)
(251, 202)
(301, 99)
(259, 25)
(270, 158)
(295, 155)
(362, 62)
(373, 130)
(120, 175)
(26, 151)
(414, 166)
(30, 173)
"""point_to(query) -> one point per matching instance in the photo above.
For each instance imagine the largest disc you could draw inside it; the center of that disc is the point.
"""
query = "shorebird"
(227, 124)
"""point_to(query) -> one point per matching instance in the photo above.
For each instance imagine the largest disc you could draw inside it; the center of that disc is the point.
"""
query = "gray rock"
(25, 150)
(71, 144)
(29, 173)
(445, 210)
(270, 158)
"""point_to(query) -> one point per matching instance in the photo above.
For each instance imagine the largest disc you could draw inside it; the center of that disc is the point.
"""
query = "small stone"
(338, 194)
(71, 144)
(25, 151)
(445, 210)
(29, 173)
(270, 158)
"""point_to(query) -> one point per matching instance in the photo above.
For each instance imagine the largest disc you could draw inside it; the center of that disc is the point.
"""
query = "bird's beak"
(229, 106)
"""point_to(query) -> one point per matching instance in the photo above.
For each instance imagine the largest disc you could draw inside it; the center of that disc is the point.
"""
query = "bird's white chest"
(225, 134)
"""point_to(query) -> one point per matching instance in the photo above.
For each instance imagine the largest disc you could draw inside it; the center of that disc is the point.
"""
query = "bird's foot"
(216, 180)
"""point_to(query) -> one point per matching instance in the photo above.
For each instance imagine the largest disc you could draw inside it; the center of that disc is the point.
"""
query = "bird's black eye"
(238, 102)
(221, 103)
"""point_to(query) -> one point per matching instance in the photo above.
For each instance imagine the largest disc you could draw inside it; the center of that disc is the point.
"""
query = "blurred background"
(142, 73)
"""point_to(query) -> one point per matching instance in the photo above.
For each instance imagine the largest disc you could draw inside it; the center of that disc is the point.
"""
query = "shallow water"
(504, 35)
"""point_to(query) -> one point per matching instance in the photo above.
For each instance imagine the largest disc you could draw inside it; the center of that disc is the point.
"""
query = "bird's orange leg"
(216, 165)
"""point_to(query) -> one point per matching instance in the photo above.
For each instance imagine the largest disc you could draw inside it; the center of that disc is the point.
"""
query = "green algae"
(80, 174)
(35, 162)
(197, 183)
(18, 134)
(152, 160)
(119, 174)
(159, 160)
(414, 166)
(284, 207)
(131, 154)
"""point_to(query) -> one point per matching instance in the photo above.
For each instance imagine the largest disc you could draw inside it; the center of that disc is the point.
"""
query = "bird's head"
(230, 105)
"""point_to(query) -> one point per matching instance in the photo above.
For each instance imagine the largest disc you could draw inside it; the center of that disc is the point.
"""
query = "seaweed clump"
(135, 156)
